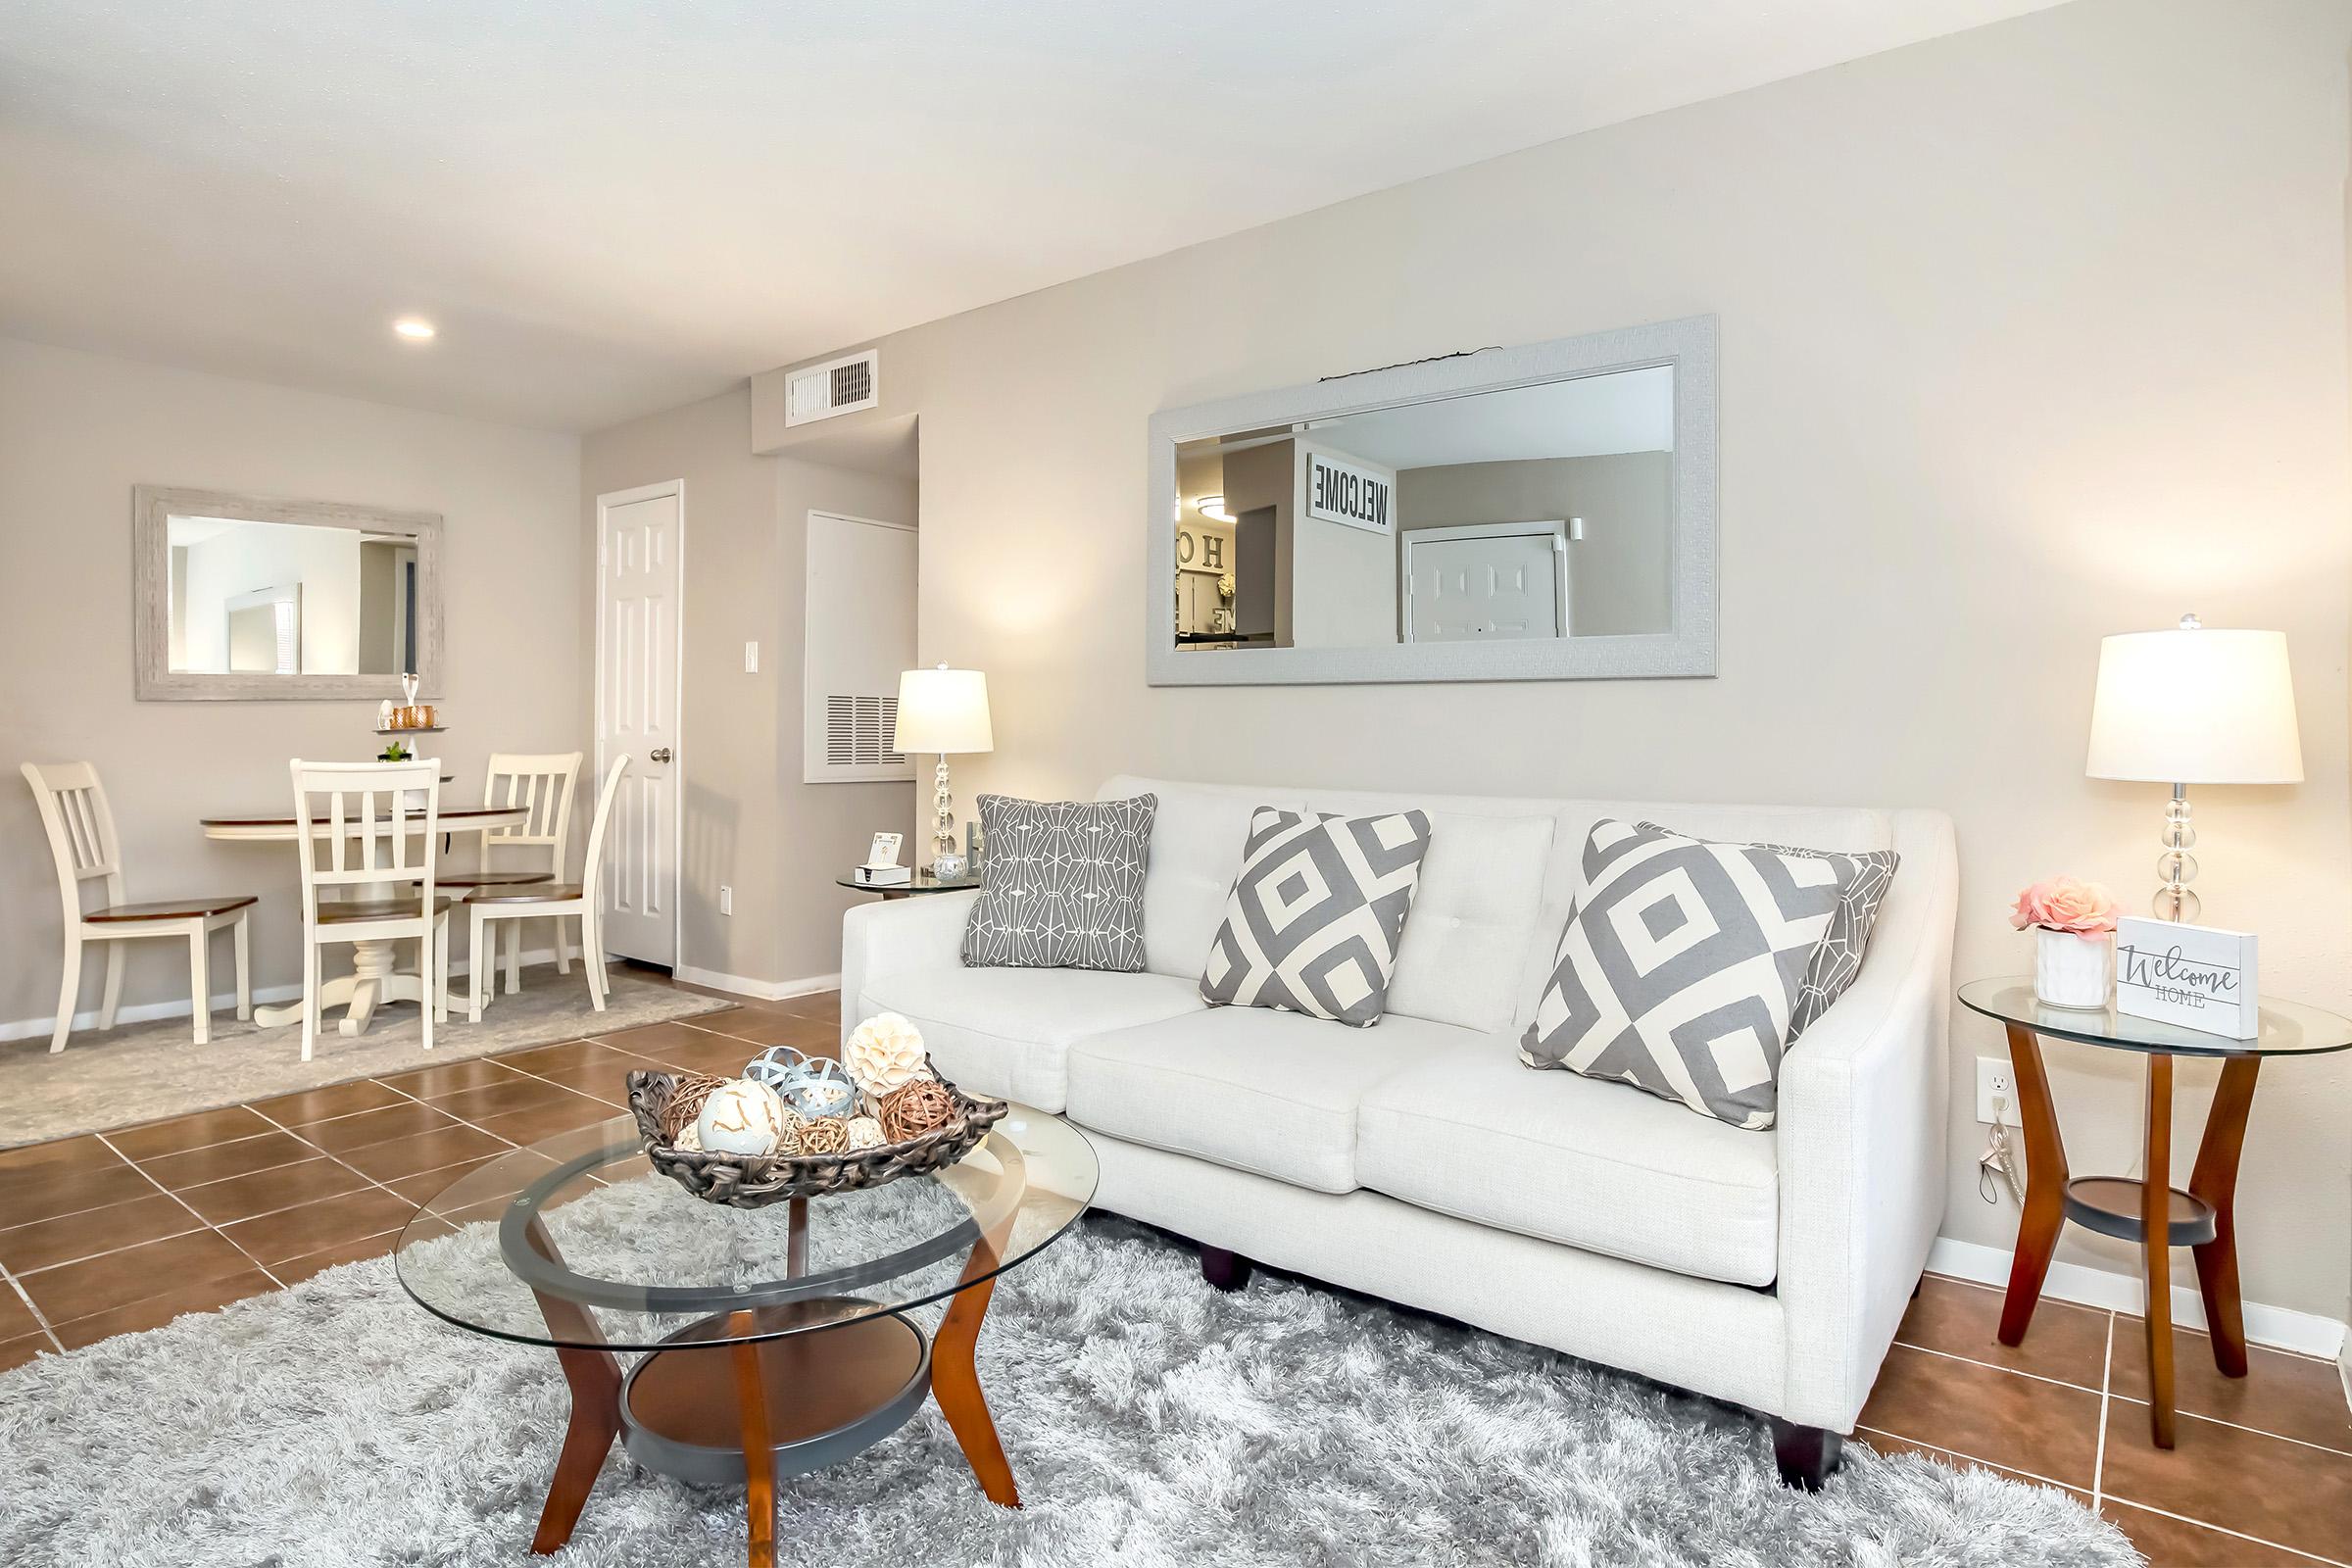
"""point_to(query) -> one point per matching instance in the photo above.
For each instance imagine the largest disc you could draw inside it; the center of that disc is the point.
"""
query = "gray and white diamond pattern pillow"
(1682, 966)
(1315, 919)
(1064, 884)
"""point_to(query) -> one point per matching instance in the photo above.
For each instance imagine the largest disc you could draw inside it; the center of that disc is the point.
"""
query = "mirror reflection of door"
(251, 597)
(265, 631)
(1487, 582)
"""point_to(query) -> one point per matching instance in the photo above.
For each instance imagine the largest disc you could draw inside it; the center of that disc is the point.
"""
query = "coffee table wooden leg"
(2045, 1187)
(2156, 1213)
(956, 1381)
(759, 1452)
(593, 1374)
(2216, 1181)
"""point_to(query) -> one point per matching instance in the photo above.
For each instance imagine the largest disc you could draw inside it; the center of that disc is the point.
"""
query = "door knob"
(660, 754)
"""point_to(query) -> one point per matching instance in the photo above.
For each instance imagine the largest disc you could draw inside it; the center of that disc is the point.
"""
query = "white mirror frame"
(1688, 649)
(155, 680)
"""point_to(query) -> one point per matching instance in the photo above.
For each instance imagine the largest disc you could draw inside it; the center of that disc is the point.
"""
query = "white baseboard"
(2282, 1327)
(223, 1002)
(758, 990)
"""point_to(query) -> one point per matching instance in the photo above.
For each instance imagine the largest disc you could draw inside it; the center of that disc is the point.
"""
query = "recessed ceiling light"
(413, 328)
(1213, 509)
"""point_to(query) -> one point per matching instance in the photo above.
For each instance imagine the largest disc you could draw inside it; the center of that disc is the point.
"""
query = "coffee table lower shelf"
(828, 1396)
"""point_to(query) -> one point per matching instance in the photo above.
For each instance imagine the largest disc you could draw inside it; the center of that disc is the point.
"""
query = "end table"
(922, 882)
(2150, 1211)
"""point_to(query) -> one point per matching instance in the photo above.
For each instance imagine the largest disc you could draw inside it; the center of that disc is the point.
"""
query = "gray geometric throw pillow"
(1838, 957)
(1064, 884)
(1683, 964)
(1313, 922)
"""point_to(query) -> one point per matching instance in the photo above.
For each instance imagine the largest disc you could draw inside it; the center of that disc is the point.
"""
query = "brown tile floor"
(112, 1233)
(127, 1230)
(2262, 1472)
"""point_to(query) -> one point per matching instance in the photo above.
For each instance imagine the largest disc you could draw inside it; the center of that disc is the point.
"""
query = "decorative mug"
(2069, 970)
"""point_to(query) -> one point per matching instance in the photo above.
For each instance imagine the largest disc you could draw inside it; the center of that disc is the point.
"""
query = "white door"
(1487, 582)
(640, 583)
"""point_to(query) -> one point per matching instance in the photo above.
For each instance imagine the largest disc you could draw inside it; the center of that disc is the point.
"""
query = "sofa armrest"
(895, 935)
(1861, 1129)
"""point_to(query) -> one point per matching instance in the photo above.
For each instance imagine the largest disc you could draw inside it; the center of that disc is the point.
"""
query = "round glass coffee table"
(2147, 1209)
(777, 1339)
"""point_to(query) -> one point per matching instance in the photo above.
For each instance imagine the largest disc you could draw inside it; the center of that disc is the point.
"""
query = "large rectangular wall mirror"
(1545, 513)
(246, 597)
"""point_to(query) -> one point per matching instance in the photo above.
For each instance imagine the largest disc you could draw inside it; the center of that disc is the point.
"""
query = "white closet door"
(638, 695)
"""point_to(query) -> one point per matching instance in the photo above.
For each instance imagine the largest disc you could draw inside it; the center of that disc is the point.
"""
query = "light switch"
(751, 658)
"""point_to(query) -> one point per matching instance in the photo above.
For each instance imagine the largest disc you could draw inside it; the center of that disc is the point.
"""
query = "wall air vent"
(837, 386)
(859, 731)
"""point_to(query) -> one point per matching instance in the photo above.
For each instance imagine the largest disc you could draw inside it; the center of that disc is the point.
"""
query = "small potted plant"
(2074, 933)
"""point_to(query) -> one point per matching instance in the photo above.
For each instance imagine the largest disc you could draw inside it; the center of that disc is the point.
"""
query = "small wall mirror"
(1544, 512)
(245, 596)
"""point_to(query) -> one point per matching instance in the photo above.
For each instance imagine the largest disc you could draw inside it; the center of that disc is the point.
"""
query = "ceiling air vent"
(837, 386)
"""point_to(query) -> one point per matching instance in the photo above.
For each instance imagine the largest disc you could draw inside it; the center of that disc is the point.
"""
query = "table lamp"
(943, 710)
(2193, 707)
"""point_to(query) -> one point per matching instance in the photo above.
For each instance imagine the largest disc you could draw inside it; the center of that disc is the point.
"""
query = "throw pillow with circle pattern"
(1315, 919)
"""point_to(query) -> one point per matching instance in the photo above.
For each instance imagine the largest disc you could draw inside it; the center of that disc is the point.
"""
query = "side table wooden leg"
(955, 1380)
(2045, 1187)
(2156, 1215)
(2216, 1181)
(759, 1452)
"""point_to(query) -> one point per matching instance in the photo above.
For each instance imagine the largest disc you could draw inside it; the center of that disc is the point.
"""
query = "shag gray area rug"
(1152, 1422)
(148, 1071)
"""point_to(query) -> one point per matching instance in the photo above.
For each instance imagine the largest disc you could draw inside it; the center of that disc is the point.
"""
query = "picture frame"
(884, 851)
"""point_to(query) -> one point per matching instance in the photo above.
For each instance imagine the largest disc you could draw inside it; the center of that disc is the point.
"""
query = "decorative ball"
(741, 1117)
(916, 1108)
(686, 1097)
(865, 1133)
(826, 1135)
(687, 1140)
(884, 1053)
(776, 1067)
(821, 1088)
(788, 1141)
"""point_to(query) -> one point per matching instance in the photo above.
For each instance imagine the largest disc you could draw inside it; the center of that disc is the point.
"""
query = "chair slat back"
(81, 827)
(542, 785)
(378, 821)
(592, 875)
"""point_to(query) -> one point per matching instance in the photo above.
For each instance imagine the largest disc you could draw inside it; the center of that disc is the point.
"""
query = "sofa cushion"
(1315, 919)
(1063, 886)
(1005, 1031)
(1273, 1092)
(1474, 919)
(1196, 841)
(1563, 1158)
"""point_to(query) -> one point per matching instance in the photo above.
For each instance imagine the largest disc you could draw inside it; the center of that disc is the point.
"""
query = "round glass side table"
(922, 882)
(2150, 1211)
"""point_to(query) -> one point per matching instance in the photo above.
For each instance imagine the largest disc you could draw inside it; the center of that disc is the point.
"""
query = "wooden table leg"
(2045, 1187)
(955, 1379)
(593, 1374)
(2156, 1216)
(759, 1452)
(2214, 1180)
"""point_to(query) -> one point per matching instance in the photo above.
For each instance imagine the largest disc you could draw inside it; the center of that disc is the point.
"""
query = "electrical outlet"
(726, 900)
(1997, 1080)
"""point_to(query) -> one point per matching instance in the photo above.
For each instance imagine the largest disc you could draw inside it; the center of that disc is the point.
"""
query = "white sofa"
(1418, 1160)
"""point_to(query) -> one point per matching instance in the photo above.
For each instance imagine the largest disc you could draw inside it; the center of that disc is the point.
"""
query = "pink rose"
(2062, 903)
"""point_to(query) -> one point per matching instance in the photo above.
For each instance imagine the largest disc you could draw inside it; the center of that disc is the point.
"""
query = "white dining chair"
(83, 843)
(557, 899)
(542, 784)
(380, 823)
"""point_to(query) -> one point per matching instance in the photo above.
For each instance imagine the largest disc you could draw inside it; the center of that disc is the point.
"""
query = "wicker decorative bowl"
(742, 1181)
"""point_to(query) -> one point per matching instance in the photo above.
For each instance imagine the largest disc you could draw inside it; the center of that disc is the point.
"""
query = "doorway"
(641, 546)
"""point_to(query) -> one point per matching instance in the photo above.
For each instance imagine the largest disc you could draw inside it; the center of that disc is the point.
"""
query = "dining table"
(377, 977)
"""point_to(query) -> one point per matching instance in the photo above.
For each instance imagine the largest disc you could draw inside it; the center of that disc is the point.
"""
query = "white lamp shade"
(2195, 706)
(943, 709)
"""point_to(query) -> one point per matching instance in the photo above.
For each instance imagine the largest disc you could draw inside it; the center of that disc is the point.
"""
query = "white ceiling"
(614, 206)
(1629, 410)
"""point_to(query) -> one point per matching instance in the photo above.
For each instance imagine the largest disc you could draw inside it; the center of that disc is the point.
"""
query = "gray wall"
(2029, 333)
(1620, 575)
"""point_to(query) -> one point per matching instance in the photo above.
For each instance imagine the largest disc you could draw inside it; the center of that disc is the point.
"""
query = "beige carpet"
(148, 1071)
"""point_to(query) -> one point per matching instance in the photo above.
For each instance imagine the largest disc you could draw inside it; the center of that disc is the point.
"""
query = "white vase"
(2069, 970)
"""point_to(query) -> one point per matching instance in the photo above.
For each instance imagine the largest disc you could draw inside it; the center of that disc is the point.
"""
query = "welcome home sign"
(2197, 976)
(1355, 494)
